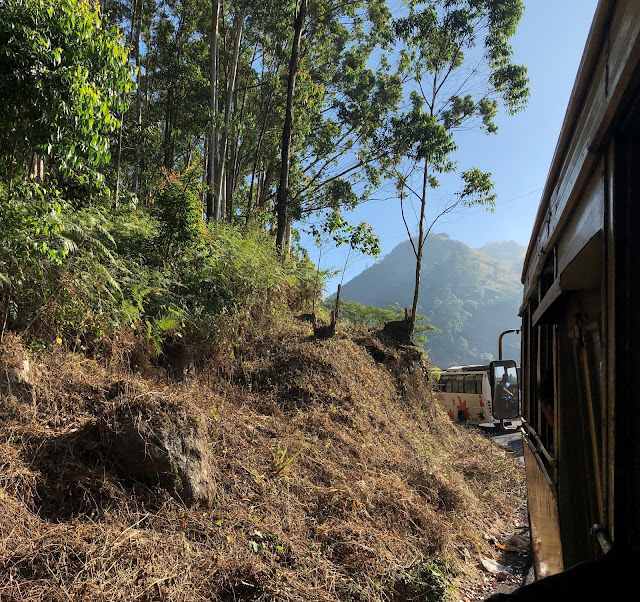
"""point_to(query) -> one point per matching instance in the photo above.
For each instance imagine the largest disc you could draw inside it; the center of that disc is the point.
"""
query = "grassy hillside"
(471, 296)
(285, 468)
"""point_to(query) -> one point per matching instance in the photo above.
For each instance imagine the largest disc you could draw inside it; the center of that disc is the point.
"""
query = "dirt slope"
(292, 469)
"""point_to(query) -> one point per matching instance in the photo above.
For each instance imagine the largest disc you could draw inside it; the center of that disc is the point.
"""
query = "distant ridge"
(472, 295)
(508, 252)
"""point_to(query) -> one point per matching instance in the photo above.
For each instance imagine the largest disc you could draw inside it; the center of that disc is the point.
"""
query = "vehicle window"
(470, 383)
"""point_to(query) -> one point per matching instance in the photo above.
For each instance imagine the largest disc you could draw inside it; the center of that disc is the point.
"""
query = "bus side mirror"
(505, 389)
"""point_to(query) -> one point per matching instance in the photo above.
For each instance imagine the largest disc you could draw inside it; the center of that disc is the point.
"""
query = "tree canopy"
(458, 57)
(63, 77)
(142, 139)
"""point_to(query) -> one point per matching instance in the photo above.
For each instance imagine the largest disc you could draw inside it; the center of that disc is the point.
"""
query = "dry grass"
(383, 493)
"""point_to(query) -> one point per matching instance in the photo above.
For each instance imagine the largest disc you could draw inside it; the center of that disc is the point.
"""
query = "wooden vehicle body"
(581, 312)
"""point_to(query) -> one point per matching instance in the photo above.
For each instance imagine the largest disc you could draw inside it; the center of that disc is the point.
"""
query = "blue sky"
(549, 41)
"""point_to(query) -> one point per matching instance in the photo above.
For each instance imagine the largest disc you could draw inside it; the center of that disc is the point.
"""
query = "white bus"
(465, 394)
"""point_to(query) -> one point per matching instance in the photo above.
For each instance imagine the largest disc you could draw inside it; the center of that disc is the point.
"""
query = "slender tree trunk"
(419, 248)
(118, 161)
(205, 160)
(238, 154)
(282, 200)
(231, 83)
(14, 151)
(213, 105)
(145, 110)
(138, 36)
(287, 237)
(148, 81)
(231, 173)
(173, 97)
(222, 201)
(266, 186)
(119, 149)
(189, 152)
(336, 310)
(259, 178)
(257, 159)
(228, 196)
(36, 167)
(168, 129)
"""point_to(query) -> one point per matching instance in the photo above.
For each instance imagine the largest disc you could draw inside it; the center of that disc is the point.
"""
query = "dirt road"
(510, 439)
(513, 568)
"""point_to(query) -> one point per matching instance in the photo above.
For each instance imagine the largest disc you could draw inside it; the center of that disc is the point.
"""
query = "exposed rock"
(499, 570)
(166, 449)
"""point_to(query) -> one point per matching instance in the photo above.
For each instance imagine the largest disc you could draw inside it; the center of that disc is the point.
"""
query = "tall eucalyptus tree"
(341, 107)
(458, 56)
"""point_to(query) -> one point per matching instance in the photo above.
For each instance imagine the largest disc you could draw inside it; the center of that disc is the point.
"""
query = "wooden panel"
(543, 516)
(609, 319)
(626, 217)
(587, 219)
(585, 269)
(548, 300)
(611, 77)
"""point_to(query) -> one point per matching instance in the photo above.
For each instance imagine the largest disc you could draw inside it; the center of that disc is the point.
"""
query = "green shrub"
(29, 222)
(178, 210)
(84, 274)
(64, 74)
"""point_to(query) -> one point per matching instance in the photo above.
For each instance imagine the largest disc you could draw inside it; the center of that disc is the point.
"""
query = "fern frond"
(74, 229)
(68, 245)
(109, 279)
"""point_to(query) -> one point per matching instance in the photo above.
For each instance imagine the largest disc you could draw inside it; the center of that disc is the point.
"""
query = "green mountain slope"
(472, 295)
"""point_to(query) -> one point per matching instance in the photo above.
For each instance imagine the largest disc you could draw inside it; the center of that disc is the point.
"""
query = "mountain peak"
(508, 252)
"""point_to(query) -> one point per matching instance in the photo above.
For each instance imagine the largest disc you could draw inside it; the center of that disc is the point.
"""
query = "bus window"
(470, 384)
